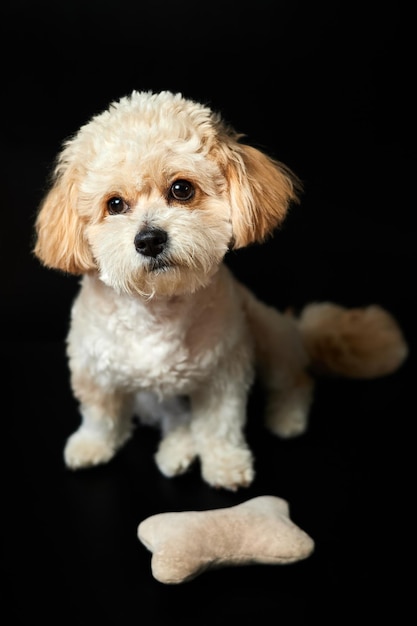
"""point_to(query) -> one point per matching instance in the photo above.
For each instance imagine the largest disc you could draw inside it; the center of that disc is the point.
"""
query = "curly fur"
(145, 201)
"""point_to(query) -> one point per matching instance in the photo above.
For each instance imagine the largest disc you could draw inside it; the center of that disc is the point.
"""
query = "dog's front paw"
(85, 448)
(227, 467)
(176, 452)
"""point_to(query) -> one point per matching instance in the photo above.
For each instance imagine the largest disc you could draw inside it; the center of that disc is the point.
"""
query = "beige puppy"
(146, 200)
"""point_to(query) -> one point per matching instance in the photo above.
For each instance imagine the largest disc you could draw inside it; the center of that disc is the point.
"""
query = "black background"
(326, 87)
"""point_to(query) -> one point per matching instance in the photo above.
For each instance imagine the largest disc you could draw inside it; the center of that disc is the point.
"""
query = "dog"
(144, 203)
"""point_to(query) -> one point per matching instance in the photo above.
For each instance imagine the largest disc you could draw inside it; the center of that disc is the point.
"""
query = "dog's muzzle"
(151, 241)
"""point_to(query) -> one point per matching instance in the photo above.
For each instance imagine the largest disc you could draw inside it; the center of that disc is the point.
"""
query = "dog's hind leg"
(288, 403)
(282, 367)
(176, 450)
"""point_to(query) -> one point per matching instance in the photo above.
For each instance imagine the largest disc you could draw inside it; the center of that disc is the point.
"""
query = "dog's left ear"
(261, 190)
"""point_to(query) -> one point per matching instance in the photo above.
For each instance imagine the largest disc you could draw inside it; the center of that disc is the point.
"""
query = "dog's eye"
(181, 190)
(116, 205)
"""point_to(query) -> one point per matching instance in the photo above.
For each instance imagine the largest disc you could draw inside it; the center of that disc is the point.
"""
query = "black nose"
(151, 241)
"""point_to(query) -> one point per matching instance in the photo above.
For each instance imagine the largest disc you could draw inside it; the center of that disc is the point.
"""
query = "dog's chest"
(155, 359)
(128, 345)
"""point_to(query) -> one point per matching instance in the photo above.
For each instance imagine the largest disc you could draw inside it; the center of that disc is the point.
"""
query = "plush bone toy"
(186, 544)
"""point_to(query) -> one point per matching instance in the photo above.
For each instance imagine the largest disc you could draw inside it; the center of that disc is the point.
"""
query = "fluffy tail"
(356, 343)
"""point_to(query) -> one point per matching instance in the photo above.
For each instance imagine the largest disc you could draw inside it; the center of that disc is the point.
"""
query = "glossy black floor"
(326, 88)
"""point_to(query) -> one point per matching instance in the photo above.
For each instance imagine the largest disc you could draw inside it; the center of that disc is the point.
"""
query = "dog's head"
(153, 192)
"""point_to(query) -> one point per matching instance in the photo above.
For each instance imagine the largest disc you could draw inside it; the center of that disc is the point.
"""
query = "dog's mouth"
(159, 264)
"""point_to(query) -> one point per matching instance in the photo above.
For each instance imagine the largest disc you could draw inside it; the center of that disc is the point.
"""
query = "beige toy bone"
(185, 544)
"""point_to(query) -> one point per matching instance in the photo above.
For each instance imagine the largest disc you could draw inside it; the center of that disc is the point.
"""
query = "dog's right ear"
(60, 231)
(261, 190)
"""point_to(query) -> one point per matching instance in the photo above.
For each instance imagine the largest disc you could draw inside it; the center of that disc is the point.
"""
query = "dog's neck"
(188, 305)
